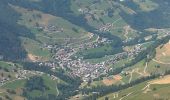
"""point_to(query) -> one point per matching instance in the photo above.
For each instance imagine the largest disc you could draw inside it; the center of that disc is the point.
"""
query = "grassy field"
(102, 13)
(33, 18)
(15, 84)
(98, 60)
(4, 64)
(140, 92)
(19, 85)
(99, 52)
(52, 84)
(35, 48)
(139, 70)
(159, 89)
(146, 5)
(163, 53)
(124, 92)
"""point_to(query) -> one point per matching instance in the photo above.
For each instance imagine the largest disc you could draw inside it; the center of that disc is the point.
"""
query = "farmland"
(84, 49)
(158, 89)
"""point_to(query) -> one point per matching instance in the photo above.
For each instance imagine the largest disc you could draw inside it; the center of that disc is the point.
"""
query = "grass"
(52, 84)
(157, 91)
(4, 64)
(98, 52)
(20, 84)
(15, 84)
(7, 69)
(33, 47)
(125, 79)
(96, 10)
(96, 83)
(135, 88)
(146, 5)
(120, 63)
(98, 60)
(162, 92)
(35, 93)
(30, 19)
(162, 53)
(147, 44)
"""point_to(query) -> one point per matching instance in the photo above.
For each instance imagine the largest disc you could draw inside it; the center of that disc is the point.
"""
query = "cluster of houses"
(127, 54)
(50, 28)
(135, 50)
(106, 27)
(83, 10)
(116, 58)
(19, 74)
(3, 80)
(64, 58)
(23, 74)
(78, 66)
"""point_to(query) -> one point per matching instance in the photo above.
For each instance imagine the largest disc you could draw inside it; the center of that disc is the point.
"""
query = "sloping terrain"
(10, 44)
(155, 89)
(84, 49)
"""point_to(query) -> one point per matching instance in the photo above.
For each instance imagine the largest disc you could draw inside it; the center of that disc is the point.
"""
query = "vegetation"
(119, 40)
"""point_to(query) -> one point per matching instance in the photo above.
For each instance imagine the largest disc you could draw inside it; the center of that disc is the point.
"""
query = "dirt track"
(160, 62)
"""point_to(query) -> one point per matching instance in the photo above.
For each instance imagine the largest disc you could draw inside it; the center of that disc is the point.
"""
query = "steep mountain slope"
(10, 45)
(156, 18)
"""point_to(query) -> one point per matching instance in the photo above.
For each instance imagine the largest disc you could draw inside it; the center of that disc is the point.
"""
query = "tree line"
(66, 90)
(100, 91)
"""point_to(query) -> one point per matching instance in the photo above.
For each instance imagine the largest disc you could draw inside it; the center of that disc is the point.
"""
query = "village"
(63, 57)
(79, 67)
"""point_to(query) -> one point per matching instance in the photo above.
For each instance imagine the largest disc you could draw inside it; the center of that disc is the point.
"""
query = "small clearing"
(33, 57)
(117, 77)
(112, 80)
(163, 80)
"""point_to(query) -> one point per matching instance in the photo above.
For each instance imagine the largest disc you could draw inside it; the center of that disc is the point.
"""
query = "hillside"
(155, 89)
(84, 49)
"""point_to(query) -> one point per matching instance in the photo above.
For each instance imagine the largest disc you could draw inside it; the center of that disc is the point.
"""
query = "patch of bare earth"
(160, 81)
(18, 98)
(112, 80)
(45, 19)
(33, 58)
(163, 51)
(163, 80)
(108, 82)
(117, 77)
